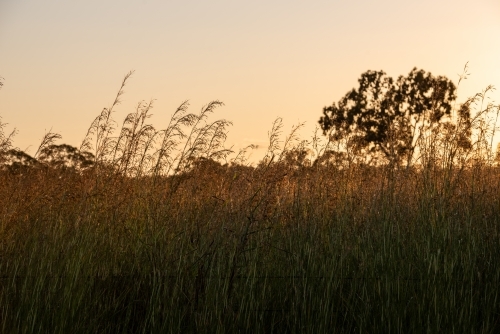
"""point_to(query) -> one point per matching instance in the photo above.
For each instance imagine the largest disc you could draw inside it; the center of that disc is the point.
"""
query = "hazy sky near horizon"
(63, 61)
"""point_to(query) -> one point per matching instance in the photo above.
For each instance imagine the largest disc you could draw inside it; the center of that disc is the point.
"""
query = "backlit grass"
(165, 231)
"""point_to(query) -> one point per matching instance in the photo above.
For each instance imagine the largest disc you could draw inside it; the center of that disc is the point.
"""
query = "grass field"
(165, 231)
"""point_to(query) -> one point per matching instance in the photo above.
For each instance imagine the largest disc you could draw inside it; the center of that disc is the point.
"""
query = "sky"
(63, 61)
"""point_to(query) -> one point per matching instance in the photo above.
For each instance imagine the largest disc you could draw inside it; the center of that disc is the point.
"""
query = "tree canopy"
(383, 116)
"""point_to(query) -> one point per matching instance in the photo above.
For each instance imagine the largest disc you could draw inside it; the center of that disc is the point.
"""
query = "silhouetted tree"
(65, 156)
(53, 156)
(203, 165)
(386, 116)
(297, 158)
(17, 161)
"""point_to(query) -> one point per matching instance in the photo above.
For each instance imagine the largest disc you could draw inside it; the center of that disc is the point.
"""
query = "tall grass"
(162, 231)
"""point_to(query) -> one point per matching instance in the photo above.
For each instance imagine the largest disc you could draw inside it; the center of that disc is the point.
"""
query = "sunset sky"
(63, 61)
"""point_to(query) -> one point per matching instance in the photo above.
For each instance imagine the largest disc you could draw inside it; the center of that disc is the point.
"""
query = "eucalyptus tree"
(384, 117)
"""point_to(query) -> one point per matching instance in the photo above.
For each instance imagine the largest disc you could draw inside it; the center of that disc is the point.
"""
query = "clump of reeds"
(146, 230)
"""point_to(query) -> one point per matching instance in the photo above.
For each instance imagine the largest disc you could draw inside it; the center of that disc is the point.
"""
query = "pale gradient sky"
(63, 61)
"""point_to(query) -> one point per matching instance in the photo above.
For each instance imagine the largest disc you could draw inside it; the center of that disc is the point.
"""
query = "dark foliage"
(66, 156)
(17, 161)
(383, 115)
(53, 156)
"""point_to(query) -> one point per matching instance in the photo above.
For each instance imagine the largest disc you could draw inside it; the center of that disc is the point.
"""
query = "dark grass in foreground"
(288, 246)
(325, 251)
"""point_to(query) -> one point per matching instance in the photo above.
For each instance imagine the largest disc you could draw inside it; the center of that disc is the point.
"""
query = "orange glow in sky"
(63, 61)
